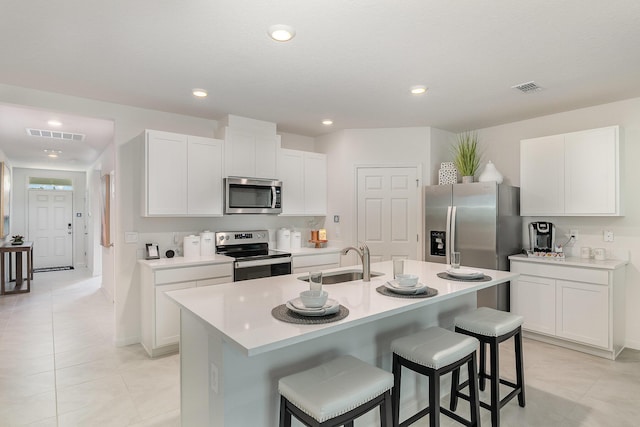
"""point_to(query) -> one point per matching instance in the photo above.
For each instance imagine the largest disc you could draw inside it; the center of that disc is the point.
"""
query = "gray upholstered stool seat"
(492, 327)
(434, 352)
(334, 389)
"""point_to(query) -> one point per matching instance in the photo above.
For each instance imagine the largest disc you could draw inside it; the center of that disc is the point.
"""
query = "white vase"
(467, 179)
(490, 173)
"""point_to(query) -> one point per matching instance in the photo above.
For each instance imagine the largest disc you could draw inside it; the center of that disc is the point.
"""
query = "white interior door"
(388, 211)
(51, 227)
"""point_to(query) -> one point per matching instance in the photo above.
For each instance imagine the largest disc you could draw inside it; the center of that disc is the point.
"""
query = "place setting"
(461, 274)
(405, 285)
(312, 306)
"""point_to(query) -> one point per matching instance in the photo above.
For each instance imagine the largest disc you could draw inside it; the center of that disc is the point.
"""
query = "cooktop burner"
(246, 244)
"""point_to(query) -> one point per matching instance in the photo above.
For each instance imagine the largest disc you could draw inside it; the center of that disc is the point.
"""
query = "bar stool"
(335, 393)
(434, 352)
(492, 327)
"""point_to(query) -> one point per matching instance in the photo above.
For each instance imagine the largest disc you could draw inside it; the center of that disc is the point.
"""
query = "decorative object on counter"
(585, 252)
(152, 251)
(446, 276)
(283, 239)
(398, 267)
(600, 254)
(296, 240)
(281, 312)
(207, 243)
(315, 281)
(490, 173)
(466, 155)
(547, 255)
(315, 238)
(17, 240)
(170, 254)
(315, 299)
(419, 291)
(191, 245)
(448, 174)
(322, 234)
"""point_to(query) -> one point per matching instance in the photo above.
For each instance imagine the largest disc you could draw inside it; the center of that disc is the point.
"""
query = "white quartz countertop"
(314, 251)
(176, 262)
(241, 311)
(607, 264)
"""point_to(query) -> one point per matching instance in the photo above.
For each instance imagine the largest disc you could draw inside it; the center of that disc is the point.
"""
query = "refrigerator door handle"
(447, 243)
(453, 229)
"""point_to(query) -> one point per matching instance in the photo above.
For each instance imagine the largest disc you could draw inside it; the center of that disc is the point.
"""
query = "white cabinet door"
(542, 176)
(315, 183)
(205, 172)
(591, 165)
(291, 173)
(583, 312)
(168, 314)
(166, 173)
(240, 153)
(534, 298)
(266, 149)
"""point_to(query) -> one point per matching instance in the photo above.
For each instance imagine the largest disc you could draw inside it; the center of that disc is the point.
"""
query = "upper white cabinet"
(304, 182)
(249, 154)
(573, 174)
(183, 175)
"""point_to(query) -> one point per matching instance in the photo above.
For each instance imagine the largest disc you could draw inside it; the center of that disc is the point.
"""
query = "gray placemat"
(447, 276)
(431, 292)
(281, 312)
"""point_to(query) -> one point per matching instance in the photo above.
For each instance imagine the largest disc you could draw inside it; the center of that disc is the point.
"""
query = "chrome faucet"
(363, 253)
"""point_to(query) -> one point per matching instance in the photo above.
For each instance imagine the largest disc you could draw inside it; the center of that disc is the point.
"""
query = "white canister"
(191, 246)
(600, 254)
(296, 240)
(585, 252)
(283, 239)
(207, 243)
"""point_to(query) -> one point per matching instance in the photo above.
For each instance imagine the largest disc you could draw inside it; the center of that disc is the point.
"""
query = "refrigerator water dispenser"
(438, 243)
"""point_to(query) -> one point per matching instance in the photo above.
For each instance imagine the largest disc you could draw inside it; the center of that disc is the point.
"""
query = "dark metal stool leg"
(285, 416)
(434, 400)
(474, 399)
(395, 393)
(519, 368)
(385, 410)
(495, 383)
(455, 379)
(483, 363)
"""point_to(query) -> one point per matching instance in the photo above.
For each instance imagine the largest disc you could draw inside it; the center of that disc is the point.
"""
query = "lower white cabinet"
(577, 307)
(305, 262)
(160, 316)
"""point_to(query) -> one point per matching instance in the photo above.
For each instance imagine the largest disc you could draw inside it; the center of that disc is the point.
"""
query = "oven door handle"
(260, 262)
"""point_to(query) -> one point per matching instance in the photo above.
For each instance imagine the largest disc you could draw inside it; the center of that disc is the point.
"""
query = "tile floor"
(58, 367)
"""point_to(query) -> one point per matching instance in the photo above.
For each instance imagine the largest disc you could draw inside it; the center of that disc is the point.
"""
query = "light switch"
(130, 237)
(608, 236)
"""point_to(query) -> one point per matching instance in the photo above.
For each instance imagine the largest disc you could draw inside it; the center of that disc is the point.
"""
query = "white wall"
(501, 144)
(296, 142)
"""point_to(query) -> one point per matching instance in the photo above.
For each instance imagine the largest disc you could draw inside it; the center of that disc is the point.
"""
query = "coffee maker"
(542, 236)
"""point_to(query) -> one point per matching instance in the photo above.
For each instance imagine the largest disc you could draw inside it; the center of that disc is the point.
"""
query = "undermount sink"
(340, 276)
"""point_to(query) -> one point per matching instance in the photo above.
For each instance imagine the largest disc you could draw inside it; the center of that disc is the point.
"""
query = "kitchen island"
(232, 351)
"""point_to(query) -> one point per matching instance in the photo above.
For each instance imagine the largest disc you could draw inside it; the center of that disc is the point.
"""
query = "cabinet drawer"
(200, 272)
(214, 281)
(315, 260)
(576, 274)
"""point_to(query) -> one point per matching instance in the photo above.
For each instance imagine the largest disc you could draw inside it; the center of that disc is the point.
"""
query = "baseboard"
(632, 344)
(126, 341)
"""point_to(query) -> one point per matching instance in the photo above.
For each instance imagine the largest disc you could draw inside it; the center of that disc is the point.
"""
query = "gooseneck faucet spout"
(363, 253)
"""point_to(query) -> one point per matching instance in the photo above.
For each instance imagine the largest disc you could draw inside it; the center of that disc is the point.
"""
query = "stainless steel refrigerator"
(481, 221)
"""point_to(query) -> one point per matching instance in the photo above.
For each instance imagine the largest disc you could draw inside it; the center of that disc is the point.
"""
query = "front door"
(51, 228)
(388, 211)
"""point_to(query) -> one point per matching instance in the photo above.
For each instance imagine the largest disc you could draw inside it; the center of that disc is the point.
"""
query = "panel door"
(204, 176)
(591, 166)
(166, 173)
(315, 183)
(51, 228)
(534, 298)
(542, 176)
(388, 212)
(168, 314)
(291, 173)
(583, 312)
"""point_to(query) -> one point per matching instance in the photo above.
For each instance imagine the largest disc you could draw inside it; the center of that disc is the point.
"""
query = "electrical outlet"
(608, 236)
(574, 234)
(213, 381)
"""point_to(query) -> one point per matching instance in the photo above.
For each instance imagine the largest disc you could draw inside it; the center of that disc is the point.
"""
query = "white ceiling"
(352, 60)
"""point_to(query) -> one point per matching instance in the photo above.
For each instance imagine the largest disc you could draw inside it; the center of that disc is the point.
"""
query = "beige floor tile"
(116, 412)
(22, 410)
(25, 386)
(169, 419)
(25, 366)
(78, 374)
(79, 396)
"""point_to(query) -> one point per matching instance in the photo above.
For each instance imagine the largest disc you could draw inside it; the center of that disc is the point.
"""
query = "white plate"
(296, 305)
(396, 284)
(407, 290)
(465, 273)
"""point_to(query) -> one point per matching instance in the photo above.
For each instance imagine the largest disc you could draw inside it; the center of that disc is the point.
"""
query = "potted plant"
(466, 155)
(17, 239)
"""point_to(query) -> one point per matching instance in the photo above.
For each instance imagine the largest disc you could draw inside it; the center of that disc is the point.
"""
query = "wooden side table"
(8, 248)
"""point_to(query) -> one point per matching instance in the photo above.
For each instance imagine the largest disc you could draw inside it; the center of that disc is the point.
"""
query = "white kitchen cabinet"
(183, 175)
(159, 316)
(572, 174)
(318, 261)
(249, 154)
(573, 303)
(304, 182)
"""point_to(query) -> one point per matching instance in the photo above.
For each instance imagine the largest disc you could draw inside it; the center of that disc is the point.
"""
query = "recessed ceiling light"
(418, 90)
(53, 153)
(327, 122)
(281, 33)
(54, 123)
(200, 93)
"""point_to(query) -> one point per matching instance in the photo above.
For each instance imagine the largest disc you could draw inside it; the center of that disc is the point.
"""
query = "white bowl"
(314, 299)
(407, 279)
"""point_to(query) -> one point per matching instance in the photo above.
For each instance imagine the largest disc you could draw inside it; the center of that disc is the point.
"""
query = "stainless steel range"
(253, 257)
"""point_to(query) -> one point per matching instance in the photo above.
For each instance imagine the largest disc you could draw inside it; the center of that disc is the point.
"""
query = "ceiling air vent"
(527, 87)
(55, 134)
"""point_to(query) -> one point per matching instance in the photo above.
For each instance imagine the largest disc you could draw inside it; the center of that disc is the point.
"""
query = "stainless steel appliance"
(252, 196)
(253, 258)
(542, 236)
(482, 222)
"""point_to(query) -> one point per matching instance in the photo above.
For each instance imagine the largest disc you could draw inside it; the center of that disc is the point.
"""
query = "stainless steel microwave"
(252, 196)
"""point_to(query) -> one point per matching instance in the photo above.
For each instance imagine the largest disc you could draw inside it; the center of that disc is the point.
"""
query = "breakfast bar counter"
(233, 351)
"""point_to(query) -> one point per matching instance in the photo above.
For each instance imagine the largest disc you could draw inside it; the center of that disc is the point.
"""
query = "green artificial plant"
(466, 154)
